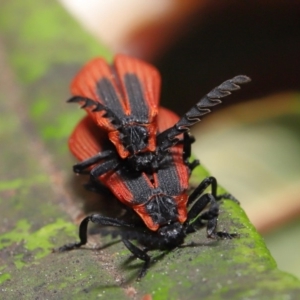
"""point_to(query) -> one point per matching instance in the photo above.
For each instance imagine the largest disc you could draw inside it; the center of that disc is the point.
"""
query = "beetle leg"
(81, 167)
(192, 165)
(141, 254)
(211, 216)
(199, 206)
(209, 181)
(97, 219)
(104, 167)
(188, 139)
(227, 196)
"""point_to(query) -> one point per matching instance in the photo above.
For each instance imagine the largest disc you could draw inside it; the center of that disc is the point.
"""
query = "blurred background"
(251, 143)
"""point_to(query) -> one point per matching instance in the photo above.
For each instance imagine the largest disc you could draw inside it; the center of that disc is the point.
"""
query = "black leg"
(201, 188)
(187, 142)
(104, 167)
(211, 216)
(188, 139)
(209, 181)
(81, 167)
(97, 219)
(141, 254)
(198, 207)
(192, 165)
(227, 196)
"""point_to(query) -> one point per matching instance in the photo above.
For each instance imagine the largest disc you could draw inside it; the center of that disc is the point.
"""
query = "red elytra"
(88, 139)
(129, 90)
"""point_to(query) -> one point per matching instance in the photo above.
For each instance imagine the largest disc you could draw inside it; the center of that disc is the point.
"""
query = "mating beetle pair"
(140, 152)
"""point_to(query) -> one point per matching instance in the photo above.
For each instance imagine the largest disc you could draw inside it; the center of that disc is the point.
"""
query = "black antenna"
(98, 107)
(167, 138)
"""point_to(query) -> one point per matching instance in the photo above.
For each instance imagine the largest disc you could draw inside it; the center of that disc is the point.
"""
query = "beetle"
(122, 99)
(158, 198)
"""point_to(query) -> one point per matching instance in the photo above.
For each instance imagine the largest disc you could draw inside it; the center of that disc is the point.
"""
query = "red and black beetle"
(118, 145)
(122, 99)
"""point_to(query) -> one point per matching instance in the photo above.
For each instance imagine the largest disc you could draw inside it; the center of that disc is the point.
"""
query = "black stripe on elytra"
(109, 97)
(158, 203)
(138, 104)
(168, 178)
(162, 208)
(136, 184)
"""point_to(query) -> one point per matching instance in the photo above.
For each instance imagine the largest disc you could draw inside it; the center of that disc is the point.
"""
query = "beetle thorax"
(162, 209)
(144, 161)
(134, 137)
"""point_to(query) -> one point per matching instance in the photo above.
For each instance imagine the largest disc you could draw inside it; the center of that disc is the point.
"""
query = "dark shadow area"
(92, 202)
(258, 39)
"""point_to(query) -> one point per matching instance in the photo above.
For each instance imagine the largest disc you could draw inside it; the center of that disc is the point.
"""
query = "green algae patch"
(18, 183)
(61, 126)
(41, 27)
(253, 247)
(31, 246)
(220, 269)
(39, 241)
(65, 123)
(4, 277)
(16, 235)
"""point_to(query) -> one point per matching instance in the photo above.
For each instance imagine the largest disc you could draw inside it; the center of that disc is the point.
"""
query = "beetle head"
(134, 138)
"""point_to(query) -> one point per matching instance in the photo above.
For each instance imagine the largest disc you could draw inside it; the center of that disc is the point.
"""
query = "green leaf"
(40, 50)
